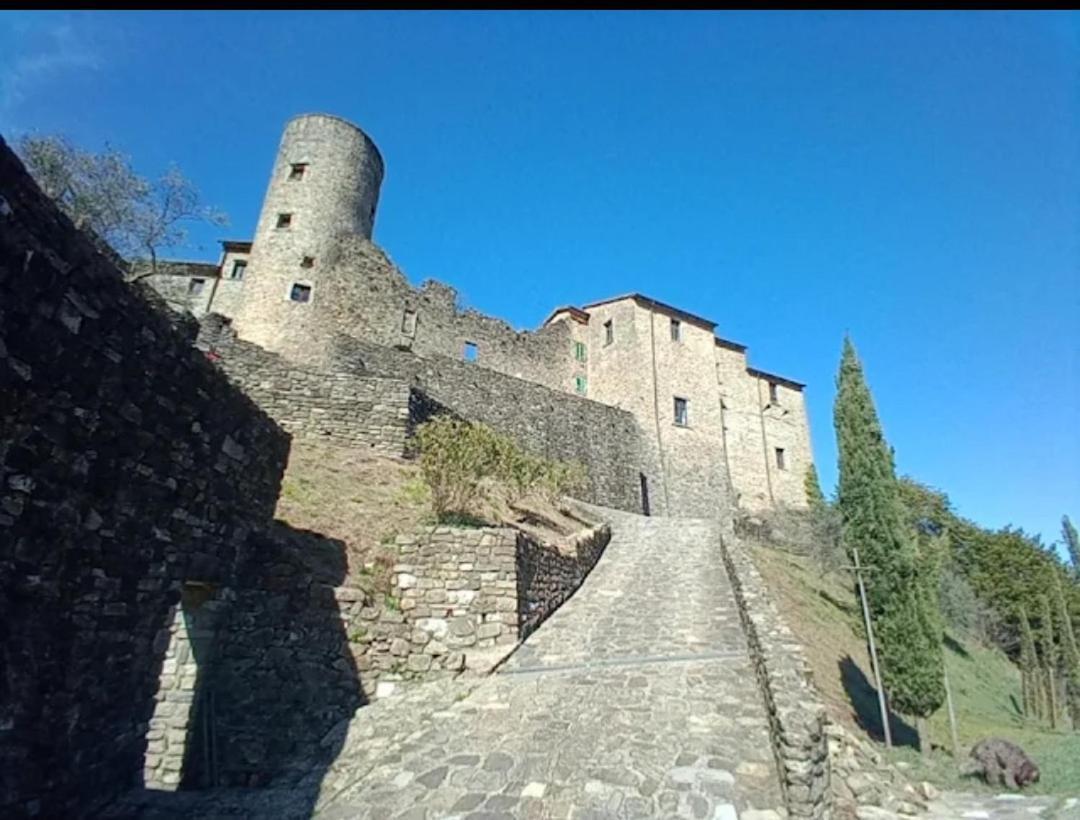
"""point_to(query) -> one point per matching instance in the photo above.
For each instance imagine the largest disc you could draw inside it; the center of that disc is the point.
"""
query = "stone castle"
(315, 302)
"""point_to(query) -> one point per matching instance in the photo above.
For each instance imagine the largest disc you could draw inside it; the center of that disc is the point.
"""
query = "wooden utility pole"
(952, 717)
(873, 651)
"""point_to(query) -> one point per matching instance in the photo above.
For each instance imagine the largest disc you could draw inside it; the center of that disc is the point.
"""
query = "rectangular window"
(296, 171)
(682, 412)
(609, 332)
(580, 385)
(780, 458)
(239, 268)
(284, 220)
(676, 330)
(774, 398)
(300, 293)
(579, 351)
(195, 286)
(470, 351)
(408, 322)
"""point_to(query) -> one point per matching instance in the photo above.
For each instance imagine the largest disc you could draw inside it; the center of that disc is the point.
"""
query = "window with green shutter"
(579, 351)
(580, 385)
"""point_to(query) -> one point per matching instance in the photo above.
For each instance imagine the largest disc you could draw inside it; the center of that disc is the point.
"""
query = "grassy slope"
(822, 611)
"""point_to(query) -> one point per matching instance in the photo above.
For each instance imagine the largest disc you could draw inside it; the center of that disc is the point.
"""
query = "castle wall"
(546, 422)
(744, 432)
(370, 412)
(786, 427)
(129, 467)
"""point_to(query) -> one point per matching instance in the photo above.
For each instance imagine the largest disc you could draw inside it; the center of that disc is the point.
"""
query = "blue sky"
(910, 178)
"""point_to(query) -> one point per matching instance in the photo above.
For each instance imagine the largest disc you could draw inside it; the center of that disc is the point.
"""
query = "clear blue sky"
(912, 178)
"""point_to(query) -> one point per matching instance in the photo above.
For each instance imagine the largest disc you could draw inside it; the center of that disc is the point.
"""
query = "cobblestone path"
(635, 699)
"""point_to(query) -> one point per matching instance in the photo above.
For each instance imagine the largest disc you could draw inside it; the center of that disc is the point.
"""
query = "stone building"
(714, 433)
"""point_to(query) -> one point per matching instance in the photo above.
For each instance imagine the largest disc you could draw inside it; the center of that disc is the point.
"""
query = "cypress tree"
(1072, 544)
(814, 497)
(902, 602)
(1048, 650)
(1070, 655)
(1028, 664)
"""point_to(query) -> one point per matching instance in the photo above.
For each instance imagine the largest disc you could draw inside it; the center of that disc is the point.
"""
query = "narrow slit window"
(774, 395)
(470, 351)
(408, 322)
(284, 220)
(300, 293)
(682, 412)
(676, 330)
(580, 385)
(609, 332)
(297, 170)
(780, 461)
(239, 268)
(579, 351)
(307, 262)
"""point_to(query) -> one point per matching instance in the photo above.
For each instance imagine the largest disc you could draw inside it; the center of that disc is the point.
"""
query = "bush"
(459, 461)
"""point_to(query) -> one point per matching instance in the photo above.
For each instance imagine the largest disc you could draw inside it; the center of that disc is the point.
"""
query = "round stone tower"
(325, 185)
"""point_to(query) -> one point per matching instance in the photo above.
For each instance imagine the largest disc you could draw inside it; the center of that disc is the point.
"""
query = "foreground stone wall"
(371, 412)
(546, 422)
(129, 467)
(797, 716)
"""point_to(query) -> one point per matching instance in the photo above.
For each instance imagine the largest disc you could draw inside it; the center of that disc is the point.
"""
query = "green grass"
(823, 614)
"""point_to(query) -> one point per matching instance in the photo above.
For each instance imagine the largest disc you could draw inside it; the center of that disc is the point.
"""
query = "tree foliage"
(1072, 544)
(103, 194)
(902, 580)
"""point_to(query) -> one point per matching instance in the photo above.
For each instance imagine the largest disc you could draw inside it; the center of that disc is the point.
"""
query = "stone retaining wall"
(129, 468)
(344, 407)
(797, 716)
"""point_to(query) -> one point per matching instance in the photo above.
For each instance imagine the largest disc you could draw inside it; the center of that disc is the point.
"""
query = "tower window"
(284, 220)
(195, 286)
(307, 262)
(774, 397)
(239, 268)
(579, 351)
(682, 412)
(408, 322)
(300, 293)
(609, 332)
(676, 330)
(470, 351)
(580, 385)
(780, 463)
(297, 169)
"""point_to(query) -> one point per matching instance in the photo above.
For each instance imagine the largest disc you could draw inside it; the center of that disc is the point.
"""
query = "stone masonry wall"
(129, 466)
(344, 407)
(797, 716)
(545, 422)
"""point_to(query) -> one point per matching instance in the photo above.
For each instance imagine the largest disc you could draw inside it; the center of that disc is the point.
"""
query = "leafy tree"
(102, 193)
(902, 601)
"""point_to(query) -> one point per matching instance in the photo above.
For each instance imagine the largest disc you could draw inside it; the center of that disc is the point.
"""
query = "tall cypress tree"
(814, 497)
(1029, 663)
(1048, 651)
(1070, 654)
(903, 603)
(1072, 543)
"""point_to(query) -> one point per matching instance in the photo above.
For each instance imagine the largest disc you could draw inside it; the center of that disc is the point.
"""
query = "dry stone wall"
(545, 422)
(367, 411)
(797, 716)
(129, 466)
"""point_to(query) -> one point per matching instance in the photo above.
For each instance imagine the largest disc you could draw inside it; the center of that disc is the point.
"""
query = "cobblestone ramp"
(635, 699)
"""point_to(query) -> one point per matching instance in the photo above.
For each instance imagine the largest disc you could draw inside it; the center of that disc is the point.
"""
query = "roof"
(761, 374)
(738, 348)
(577, 314)
(240, 245)
(648, 302)
(179, 267)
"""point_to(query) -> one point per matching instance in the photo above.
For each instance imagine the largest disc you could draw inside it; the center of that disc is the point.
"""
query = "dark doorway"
(644, 494)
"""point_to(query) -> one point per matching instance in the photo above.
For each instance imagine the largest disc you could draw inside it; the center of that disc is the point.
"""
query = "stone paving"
(635, 699)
